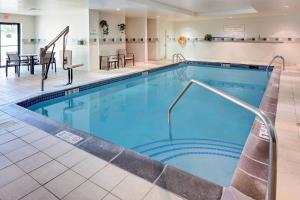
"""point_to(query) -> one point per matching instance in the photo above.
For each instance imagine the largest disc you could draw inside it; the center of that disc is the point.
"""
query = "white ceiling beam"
(169, 7)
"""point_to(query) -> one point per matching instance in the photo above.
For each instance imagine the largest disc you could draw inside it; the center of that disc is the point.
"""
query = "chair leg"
(6, 70)
(55, 66)
(18, 70)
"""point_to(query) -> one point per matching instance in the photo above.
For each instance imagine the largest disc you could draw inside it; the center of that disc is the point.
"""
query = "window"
(9, 39)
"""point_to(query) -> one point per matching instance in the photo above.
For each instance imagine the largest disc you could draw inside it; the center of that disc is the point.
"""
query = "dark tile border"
(251, 175)
(139, 164)
(168, 177)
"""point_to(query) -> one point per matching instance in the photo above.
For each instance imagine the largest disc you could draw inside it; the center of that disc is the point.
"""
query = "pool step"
(165, 150)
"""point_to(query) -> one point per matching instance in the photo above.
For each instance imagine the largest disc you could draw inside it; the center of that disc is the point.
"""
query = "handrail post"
(272, 178)
(283, 63)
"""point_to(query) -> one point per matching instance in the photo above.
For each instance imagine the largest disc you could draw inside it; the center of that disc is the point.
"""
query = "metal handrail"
(271, 193)
(179, 57)
(283, 63)
(43, 51)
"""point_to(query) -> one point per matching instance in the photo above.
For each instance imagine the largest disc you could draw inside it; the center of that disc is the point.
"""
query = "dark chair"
(122, 53)
(13, 60)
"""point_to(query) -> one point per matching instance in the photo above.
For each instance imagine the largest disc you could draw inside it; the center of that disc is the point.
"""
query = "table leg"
(31, 64)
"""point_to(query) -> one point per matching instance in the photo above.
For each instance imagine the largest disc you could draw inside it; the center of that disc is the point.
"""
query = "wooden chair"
(13, 60)
(111, 61)
(122, 53)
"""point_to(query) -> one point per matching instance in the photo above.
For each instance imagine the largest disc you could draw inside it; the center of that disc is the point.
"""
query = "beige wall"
(153, 46)
(137, 28)
(97, 48)
(275, 26)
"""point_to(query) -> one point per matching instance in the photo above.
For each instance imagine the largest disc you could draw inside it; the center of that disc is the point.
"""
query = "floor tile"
(33, 162)
(9, 174)
(17, 126)
(18, 188)
(4, 162)
(158, 193)
(48, 172)
(36, 135)
(89, 166)
(65, 183)
(109, 177)
(111, 197)
(2, 131)
(12, 145)
(40, 194)
(58, 149)
(6, 138)
(72, 157)
(132, 188)
(21, 153)
(7, 124)
(24, 131)
(86, 191)
(46, 142)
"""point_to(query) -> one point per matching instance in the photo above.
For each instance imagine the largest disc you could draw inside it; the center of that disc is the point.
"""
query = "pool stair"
(165, 150)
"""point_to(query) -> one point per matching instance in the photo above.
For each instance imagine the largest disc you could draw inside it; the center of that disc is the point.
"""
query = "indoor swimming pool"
(208, 133)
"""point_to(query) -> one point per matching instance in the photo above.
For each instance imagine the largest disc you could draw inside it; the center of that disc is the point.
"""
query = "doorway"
(9, 40)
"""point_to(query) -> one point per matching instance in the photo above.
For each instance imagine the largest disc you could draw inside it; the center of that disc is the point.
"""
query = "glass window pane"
(9, 35)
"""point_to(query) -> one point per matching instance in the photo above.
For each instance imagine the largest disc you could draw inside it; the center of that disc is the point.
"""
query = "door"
(9, 39)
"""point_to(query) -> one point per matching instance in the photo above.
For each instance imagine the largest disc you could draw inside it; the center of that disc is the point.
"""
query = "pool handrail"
(271, 62)
(43, 51)
(179, 58)
(272, 176)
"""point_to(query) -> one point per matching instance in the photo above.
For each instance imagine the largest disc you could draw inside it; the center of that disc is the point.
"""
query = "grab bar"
(283, 63)
(267, 122)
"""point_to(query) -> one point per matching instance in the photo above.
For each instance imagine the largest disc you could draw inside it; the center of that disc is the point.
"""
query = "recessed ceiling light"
(33, 9)
(118, 9)
(286, 6)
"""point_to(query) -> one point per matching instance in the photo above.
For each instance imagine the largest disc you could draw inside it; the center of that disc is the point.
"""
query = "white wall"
(94, 40)
(113, 21)
(27, 30)
(48, 26)
(278, 26)
(153, 46)
(165, 29)
(107, 48)
(137, 28)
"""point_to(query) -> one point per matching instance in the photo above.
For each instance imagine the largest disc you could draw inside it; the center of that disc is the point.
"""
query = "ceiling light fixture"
(34, 9)
(118, 9)
(286, 6)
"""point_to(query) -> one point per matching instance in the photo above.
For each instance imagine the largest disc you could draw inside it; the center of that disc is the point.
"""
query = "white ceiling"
(170, 9)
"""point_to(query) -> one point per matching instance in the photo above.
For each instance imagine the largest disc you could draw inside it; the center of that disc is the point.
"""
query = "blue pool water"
(208, 131)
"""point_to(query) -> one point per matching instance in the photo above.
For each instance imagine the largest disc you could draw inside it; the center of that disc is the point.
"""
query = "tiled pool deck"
(37, 165)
